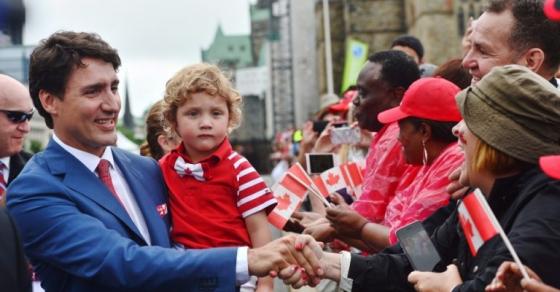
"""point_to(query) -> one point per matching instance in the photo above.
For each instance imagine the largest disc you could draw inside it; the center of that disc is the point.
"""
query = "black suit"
(17, 162)
(14, 273)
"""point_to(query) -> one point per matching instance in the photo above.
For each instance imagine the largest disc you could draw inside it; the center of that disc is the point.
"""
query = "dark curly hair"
(398, 69)
(56, 57)
(411, 42)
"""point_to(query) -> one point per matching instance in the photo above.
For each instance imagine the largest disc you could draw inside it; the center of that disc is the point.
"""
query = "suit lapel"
(78, 178)
(139, 185)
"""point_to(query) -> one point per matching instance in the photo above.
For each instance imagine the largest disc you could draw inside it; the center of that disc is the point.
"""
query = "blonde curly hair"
(197, 78)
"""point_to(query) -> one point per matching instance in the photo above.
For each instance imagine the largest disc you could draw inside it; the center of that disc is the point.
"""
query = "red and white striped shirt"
(211, 212)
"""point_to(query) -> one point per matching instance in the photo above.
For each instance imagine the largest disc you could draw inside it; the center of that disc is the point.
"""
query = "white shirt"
(119, 182)
(123, 191)
(6, 170)
(345, 283)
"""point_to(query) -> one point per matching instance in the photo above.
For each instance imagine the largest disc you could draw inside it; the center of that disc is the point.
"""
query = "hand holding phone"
(319, 126)
(319, 162)
(345, 135)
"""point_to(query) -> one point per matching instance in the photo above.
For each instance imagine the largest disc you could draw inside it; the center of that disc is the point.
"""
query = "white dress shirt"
(6, 171)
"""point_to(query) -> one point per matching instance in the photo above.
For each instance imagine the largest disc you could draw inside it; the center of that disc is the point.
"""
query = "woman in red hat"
(426, 115)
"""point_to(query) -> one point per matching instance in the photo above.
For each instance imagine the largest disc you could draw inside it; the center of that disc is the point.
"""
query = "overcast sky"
(155, 38)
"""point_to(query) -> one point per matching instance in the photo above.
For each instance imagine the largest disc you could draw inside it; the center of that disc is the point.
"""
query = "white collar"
(89, 160)
(6, 161)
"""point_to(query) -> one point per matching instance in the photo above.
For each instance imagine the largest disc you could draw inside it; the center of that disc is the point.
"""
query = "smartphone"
(319, 126)
(418, 247)
(345, 135)
(319, 162)
(340, 124)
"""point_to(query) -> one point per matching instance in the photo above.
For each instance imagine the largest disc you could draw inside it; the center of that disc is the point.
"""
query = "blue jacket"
(79, 238)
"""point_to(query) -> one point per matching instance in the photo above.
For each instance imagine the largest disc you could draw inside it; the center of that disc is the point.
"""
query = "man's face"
(13, 97)
(374, 96)
(489, 44)
(86, 116)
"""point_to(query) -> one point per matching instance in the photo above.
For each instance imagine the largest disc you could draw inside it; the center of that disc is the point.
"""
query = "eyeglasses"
(17, 117)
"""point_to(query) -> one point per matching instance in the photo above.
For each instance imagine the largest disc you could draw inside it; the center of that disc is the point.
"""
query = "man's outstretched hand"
(289, 251)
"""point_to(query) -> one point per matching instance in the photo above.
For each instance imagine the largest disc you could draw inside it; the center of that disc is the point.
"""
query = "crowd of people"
(190, 214)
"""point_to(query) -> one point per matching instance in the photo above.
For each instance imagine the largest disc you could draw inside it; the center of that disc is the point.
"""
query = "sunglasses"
(17, 117)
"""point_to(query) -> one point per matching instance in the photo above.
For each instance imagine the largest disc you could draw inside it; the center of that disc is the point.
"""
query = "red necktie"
(3, 184)
(105, 177)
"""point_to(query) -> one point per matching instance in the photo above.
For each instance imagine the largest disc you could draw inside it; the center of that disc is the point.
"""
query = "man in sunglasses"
(16, 109)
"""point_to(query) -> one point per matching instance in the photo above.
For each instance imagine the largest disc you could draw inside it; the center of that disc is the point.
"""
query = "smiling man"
(93, 217)
(514, 32)
(381, 85)
(511, 32)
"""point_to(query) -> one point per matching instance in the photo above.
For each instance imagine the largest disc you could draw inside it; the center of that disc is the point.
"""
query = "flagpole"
(513, 254)
(504, 237)
(344, 168)
(328, 50)
(310, 189)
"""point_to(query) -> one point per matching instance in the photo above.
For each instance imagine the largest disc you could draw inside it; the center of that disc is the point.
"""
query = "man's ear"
(534, 60)
(48, 101)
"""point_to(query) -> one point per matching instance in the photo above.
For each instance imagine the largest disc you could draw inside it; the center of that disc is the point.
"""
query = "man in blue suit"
(93, 217)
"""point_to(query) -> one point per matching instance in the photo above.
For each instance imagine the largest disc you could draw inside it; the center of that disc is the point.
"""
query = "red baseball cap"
(344, 103)
(428, 98)
(551, 165)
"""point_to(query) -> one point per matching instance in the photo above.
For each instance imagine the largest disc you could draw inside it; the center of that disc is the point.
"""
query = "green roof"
(229, 49)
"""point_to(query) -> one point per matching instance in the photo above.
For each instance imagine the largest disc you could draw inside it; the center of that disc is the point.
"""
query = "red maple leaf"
(283, 202)
(468, 231)
(332, 179)
(467, 227)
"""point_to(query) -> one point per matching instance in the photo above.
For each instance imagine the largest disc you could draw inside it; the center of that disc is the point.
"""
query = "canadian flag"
(355, 177)
(290, 193)
(346, 177)
(477, 220)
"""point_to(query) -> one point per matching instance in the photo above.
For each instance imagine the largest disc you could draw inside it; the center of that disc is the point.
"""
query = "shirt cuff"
(241, 266)
(345, 282)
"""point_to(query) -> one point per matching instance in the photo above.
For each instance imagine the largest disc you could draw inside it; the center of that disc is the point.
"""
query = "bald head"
(14, 100)
(12, 91)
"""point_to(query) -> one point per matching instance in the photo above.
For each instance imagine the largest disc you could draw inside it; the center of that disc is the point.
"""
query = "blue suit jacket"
(79, 238)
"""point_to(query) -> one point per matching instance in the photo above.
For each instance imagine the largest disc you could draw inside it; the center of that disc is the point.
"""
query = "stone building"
(439, 24)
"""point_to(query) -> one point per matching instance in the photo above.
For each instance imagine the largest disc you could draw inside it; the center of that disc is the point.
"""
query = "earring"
(425, 153)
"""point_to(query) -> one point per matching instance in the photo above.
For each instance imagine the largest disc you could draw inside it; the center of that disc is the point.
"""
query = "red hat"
(344, 103)
(427, 98)
(552, 9)
(551, 165)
